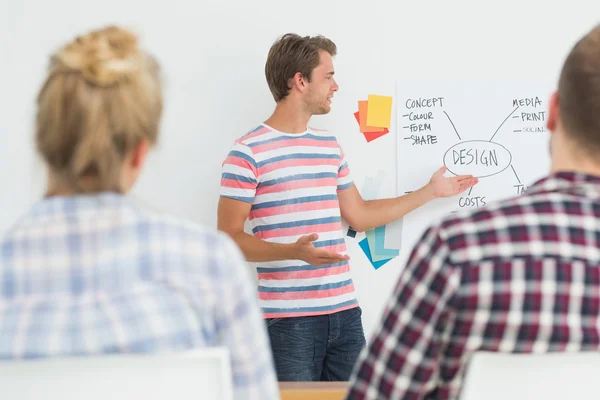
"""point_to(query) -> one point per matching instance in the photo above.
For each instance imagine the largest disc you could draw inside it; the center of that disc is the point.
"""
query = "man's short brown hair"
(290, 54)
(579, 93)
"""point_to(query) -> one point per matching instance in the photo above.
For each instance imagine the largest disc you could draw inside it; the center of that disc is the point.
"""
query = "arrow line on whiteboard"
(459, 138)
(515, 172)
(505, 119)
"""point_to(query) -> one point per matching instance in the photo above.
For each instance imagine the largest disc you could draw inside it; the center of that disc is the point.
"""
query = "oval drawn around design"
(480, 158)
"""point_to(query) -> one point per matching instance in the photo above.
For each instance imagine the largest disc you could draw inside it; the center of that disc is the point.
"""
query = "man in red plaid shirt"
(517, 276)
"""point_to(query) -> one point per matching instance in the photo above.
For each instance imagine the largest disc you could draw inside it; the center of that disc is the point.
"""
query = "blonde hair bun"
(104, 57)
(102, 97)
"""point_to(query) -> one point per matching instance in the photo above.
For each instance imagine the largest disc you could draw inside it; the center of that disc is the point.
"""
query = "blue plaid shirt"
(96, 274)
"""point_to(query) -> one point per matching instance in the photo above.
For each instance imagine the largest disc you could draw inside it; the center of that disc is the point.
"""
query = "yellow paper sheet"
(379, 111)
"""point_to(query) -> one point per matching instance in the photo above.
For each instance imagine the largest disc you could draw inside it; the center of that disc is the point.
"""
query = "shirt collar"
(76, 203)
(568, 181)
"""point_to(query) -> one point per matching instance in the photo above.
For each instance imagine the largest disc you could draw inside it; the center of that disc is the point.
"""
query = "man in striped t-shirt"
(293, 184)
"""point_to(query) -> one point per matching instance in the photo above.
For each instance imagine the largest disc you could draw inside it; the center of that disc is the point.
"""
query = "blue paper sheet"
(364, 245)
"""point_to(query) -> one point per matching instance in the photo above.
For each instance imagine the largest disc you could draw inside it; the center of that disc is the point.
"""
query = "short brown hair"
(290, 54)
(101, 98)
(579, 92)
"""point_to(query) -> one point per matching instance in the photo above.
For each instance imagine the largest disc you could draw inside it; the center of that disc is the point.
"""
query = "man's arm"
(364, 215)
(232, 215)
(239, 181)
(403, 357)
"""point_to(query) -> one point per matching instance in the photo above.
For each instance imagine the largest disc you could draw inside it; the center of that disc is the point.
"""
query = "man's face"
(322, 86)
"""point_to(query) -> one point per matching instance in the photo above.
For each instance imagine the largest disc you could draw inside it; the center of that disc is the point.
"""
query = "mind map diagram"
(483, 151)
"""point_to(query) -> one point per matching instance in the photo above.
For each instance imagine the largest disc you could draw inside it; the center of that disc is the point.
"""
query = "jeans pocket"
(353, 331)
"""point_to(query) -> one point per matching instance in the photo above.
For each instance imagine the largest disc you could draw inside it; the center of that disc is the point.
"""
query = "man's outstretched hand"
(314, 256)
(443, 186)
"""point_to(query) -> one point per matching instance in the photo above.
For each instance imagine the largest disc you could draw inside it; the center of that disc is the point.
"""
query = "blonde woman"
(86, 272)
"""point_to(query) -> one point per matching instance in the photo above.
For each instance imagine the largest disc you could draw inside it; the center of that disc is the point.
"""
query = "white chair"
(199, 374)
(550, 376)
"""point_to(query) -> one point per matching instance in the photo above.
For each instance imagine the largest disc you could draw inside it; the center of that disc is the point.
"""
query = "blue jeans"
(317, 348)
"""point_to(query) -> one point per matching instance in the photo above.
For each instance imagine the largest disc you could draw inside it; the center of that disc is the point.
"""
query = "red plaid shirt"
(522, 275)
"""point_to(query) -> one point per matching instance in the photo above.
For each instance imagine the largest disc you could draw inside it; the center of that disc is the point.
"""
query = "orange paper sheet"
(363, 110)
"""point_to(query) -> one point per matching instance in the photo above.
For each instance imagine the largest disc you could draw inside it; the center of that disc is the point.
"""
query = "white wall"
(213, 54)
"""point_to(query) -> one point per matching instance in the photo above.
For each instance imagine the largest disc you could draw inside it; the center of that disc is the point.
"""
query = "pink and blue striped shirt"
(292, 181)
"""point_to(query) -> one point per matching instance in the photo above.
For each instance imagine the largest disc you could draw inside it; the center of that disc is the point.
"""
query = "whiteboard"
(494, 130)
(213, 54)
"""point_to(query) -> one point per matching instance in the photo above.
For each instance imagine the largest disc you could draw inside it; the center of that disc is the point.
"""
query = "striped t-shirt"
(292, 180)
